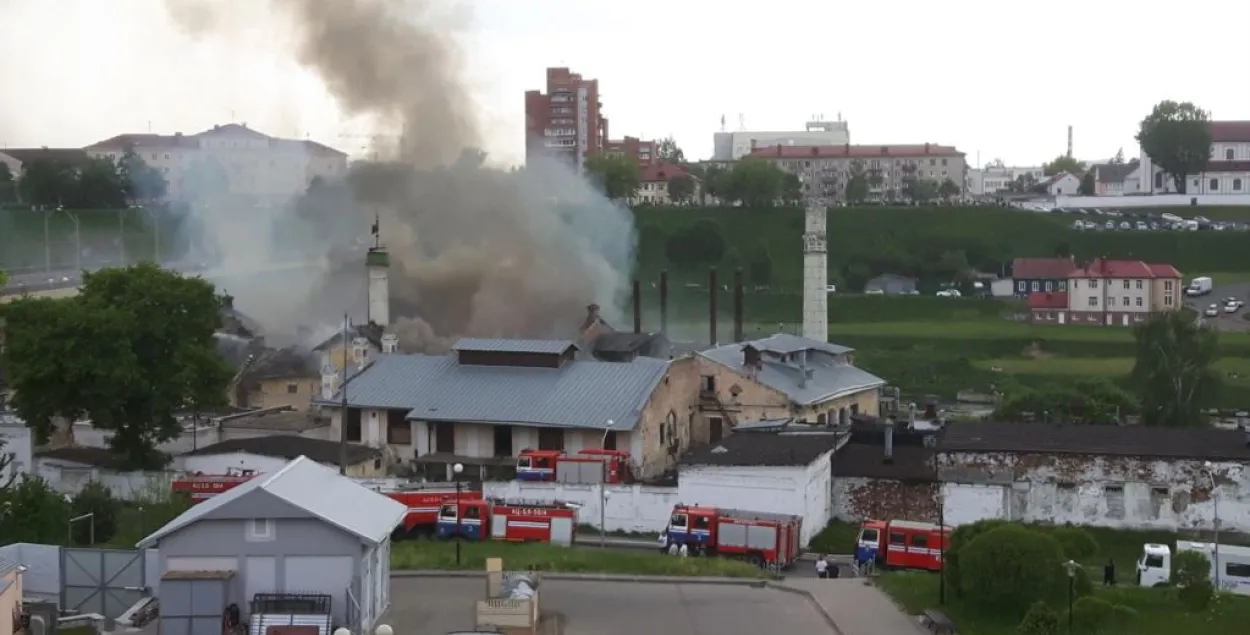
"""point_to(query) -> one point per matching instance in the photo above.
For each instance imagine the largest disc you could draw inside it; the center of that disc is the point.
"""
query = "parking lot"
(434, 606)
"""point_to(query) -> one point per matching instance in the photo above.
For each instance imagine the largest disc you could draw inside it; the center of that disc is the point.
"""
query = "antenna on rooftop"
(722, 122)
(742, 122)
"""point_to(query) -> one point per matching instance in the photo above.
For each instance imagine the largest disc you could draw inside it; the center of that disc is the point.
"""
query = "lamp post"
(89, 516)
(603, 488)
(1208, 470)
(457, 469)
(1071, 566)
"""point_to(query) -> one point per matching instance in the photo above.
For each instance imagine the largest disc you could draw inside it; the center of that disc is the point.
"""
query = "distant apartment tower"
(566, 122)
(641, 152)
(731, 146)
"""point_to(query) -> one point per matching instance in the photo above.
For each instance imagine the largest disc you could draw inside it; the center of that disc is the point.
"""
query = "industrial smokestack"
(1069, 142)
(711, 305)
(664, 302)
(889, 440)
(637, 306)
(738, 291)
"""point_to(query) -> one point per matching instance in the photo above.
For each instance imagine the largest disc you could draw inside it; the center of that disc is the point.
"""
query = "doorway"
(716, 429)
(445, 437)
(503, 440)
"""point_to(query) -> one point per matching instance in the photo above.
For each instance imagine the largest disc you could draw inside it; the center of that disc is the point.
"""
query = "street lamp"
(1071, 566)
(603, 487)
(1208, 470)
(89, 516)
(457, 469)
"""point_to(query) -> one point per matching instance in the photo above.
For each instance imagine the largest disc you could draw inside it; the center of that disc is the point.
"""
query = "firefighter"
(822, 568)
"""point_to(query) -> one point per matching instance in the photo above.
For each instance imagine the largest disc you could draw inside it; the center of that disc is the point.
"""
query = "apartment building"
(1111, 293)
(824, 170)
(731, 146)
(997, 178)
(253, 164)
(565, 122)
(1227, 172)
(644, 153)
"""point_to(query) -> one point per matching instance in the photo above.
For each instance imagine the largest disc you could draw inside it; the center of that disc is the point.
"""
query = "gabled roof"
(830, 378)
(660, 172)
(311, 487)
(1104, 268)
(1142, 441)
(1042, 268)
(1114, 172)
(1230, 131)
(578, 394)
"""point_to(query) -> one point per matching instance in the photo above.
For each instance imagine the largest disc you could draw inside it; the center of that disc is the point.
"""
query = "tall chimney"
(738, 290)
(664, 302)
(637, 306)
(889, 440)
(711, 305)
(378, 263)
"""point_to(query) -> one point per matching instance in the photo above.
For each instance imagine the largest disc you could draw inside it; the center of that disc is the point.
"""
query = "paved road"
(1225, 321)
(434, 606)
(858, 608)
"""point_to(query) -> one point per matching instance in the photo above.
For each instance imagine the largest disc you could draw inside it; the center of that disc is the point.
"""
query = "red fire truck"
(590, 465)
(201, 487)
(761, 538)
(902, 544)
(516, 521)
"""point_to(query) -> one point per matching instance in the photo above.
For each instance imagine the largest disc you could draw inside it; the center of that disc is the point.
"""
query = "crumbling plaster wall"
(1123, 492)
(856, 499)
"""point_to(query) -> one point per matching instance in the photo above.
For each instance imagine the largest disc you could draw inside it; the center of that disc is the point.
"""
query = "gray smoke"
(474, 250)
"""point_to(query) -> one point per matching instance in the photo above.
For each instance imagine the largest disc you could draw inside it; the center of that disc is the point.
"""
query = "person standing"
(822, 568)
(1108, 573)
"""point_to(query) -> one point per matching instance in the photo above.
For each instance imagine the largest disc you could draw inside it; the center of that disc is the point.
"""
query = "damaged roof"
(1139, 441)
(766, 449)
(579, 394)
(283, 363)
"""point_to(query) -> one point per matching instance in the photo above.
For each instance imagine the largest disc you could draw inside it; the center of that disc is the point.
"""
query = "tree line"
(91, 183)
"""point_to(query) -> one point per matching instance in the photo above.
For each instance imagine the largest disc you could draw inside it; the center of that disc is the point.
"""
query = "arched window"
(1228, 154)
(1236, 185)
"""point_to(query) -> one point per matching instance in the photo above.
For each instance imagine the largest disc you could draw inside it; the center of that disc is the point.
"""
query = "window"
(445, 437)
(1111, 301)
(550, 439)
(1215, 185)
(448, 512)
(708, 383)
(1158, 180)
(291, 389)
(678, 521)
(503, 440)
(352, 430)
(920, 542)
(609, 440)
(398, 430)
(1022, 286)
(702, 522)
(1139, 285)
(1237, 570)
(1228, 154)
(1138, 302)
(1236, 185)
(1063, 285)
(1167, 286)
(1093, 301)
(1167, 300)
(1126, 284)
(1154, 561)
(260, 530)
(1049, 285)
(1036, 287)
(1093, 283)
(1126, 300)
(868, 535)
(898, 539)
(943, 161)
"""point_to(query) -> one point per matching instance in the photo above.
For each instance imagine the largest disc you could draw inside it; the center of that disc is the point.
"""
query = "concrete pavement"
(854, 607)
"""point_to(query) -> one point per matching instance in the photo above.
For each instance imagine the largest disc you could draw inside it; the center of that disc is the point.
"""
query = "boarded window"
(1114, 495)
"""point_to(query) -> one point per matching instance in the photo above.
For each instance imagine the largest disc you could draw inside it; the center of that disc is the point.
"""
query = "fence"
(70, 479)
(45, 577)
(629, 507)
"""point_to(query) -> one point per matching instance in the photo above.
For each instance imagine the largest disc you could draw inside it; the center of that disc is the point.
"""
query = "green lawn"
(439, 555)
(1236, 369)
(999, 329)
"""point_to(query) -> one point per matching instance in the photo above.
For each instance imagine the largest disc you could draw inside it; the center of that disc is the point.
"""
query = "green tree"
(99, 185)
(1063, 163)
(697, 245)
(1177, 138)
(949, 189)
(791, 189)
(134, 347)
(1174, 371)
(875, 178)
(1009, 567)
(615, 175)
(960, 538)
(924, 190)
(4, 278)
(755, 183)
(141, 181)
(1040, 620)
(8, 185)
(30, 511)
(1191, 575)
(46, 183)
(95, 499)
(856, 190)
(1088, 186)
(667, 150)
(1096, 616)
(1096, 401)
(715, 182)
(206, 179)
(681, 188)
(1118, 159)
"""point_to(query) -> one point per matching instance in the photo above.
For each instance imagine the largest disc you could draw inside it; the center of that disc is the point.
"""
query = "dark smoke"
(475, 250)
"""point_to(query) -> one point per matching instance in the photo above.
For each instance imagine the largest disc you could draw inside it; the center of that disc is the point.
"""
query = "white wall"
(218, 463)
(69, 477)
(1157, 200)
(17, 440)
(629, 508)
(42, 579)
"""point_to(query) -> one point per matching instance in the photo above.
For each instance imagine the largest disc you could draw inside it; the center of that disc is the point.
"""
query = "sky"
(996, 80)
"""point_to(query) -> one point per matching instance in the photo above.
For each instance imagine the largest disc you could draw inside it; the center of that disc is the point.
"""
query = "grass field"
(439, 555)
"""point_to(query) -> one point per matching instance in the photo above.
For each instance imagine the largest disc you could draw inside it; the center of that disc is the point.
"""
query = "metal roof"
(829, 379)
(550, 347)
(578, 394)
(314, 488)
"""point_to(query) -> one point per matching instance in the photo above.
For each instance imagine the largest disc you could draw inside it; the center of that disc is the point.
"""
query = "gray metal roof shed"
(312, 487)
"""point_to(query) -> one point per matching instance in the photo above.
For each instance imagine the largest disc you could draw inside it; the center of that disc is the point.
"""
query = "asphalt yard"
(435, 606)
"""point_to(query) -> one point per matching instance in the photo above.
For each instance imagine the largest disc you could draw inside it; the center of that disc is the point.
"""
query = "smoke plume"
(475, 250)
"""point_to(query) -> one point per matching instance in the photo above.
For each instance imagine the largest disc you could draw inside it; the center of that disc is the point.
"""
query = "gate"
(103, 581)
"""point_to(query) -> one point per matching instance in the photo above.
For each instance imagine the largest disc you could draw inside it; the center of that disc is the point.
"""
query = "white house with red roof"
(1110, 292)
(653, 182)
(1227, 172)
(1061, 184)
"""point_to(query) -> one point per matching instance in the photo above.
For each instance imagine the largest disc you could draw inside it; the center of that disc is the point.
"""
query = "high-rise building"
(567, 121)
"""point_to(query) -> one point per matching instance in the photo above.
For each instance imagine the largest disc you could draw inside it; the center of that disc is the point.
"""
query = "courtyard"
(434, 606)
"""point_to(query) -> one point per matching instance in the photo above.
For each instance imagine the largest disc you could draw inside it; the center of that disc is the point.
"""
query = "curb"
(811, 599)
(603, 577)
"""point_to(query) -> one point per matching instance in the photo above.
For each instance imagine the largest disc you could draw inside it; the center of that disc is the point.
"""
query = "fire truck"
(764, 539)
(902, 544)
(200, 487)
(515, 521)
(587, 466)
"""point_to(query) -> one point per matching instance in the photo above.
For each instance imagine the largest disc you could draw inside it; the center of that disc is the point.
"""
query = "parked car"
(949, 293)
(1212, 311)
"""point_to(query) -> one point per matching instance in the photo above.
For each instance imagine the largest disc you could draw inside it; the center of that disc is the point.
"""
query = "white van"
(1199, 286)
(1230, 568)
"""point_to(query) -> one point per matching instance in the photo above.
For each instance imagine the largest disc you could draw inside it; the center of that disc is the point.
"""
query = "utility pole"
(343, 410)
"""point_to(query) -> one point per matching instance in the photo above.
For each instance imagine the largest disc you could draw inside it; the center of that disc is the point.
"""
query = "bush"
(1081, 584)
(1077, 542)
(1189, 567)
(34, 512)
(960, 538)
(1007, 568)
(1091, 615)
(1040, 620)
(97, 500)
(1196, 596)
